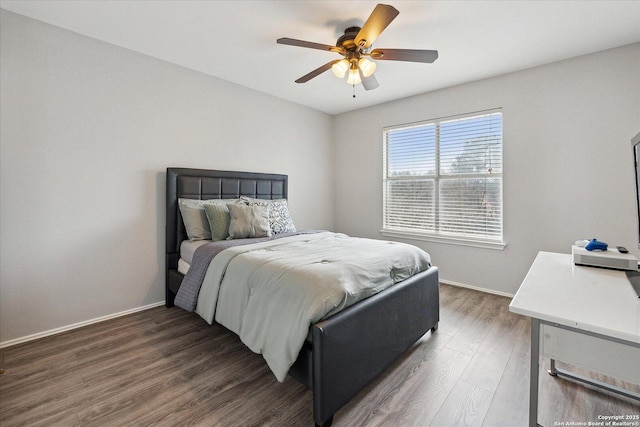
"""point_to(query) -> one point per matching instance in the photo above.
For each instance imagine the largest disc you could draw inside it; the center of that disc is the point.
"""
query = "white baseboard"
(475, 288)
(77, 325)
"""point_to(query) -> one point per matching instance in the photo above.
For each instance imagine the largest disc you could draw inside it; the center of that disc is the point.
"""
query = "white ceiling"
(236, 40)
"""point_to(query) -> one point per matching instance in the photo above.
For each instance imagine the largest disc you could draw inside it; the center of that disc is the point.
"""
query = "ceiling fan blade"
(316, 72)
(411, 55)
(379, 19)
(369, 83)
(311, 45)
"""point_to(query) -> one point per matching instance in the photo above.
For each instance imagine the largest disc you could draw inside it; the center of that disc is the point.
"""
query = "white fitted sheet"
(188, 248)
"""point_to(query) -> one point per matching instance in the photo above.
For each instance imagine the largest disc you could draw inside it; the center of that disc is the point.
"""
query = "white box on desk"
(610, 258)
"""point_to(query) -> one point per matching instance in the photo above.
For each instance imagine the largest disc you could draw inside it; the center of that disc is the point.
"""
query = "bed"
(345, 351)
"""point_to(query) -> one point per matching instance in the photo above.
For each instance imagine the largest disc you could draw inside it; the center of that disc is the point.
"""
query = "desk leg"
(535, 370)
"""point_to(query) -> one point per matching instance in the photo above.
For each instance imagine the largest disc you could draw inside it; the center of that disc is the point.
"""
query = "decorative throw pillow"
(218, 217)
(248, 221)
(248, 200)
(279, 217)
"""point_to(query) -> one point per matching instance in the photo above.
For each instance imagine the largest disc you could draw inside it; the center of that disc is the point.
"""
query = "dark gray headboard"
(206, 184)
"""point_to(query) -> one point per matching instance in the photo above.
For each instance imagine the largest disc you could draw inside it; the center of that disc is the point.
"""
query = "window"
(443, 179)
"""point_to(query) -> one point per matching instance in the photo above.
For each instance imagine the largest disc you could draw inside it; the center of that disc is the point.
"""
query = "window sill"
(485, 244)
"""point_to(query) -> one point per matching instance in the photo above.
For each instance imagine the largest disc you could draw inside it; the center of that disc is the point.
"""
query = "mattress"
(183, 266)
(187, 249)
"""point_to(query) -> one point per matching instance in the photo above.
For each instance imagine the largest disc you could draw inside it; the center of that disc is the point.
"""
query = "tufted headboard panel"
(206, 184)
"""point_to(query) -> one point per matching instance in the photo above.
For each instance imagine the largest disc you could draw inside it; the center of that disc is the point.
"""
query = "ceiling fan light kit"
(354, 76)
(355, 46)
(367, 67)
(340, 68)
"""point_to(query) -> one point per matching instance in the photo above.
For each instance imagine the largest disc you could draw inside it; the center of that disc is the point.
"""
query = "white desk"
(586, 316)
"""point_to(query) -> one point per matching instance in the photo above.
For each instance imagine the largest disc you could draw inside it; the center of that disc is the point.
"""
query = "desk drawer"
(589, 352)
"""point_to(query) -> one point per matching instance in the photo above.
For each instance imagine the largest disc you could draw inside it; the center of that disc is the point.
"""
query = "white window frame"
(434, 235)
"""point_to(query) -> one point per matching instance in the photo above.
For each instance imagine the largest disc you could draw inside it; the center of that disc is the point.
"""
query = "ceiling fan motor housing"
(346, 41)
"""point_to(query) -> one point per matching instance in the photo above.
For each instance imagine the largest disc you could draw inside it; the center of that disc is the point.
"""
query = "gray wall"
(87, 131)
(568, 169)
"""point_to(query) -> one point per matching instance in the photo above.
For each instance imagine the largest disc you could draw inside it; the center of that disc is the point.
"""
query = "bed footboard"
(354, 346)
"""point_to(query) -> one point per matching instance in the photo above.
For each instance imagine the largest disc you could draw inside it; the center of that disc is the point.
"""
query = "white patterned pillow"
(279, 217)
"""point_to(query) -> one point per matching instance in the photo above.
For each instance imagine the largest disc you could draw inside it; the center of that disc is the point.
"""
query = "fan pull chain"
(354, 90)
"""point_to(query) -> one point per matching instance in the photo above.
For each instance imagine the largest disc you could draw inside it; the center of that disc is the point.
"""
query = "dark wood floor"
(168, 367)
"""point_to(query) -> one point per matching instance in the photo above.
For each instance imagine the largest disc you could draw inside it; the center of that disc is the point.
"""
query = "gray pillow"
(195, 219)
(248, 221)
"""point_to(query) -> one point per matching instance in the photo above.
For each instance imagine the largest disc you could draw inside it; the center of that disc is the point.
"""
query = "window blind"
(444, 177)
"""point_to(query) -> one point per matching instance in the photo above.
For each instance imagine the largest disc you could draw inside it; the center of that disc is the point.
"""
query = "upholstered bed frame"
(350, 348)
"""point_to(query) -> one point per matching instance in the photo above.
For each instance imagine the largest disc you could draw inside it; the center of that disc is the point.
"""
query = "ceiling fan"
(355, 45)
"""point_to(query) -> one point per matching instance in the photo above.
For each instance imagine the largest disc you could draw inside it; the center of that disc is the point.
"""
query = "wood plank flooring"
(167, 367)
